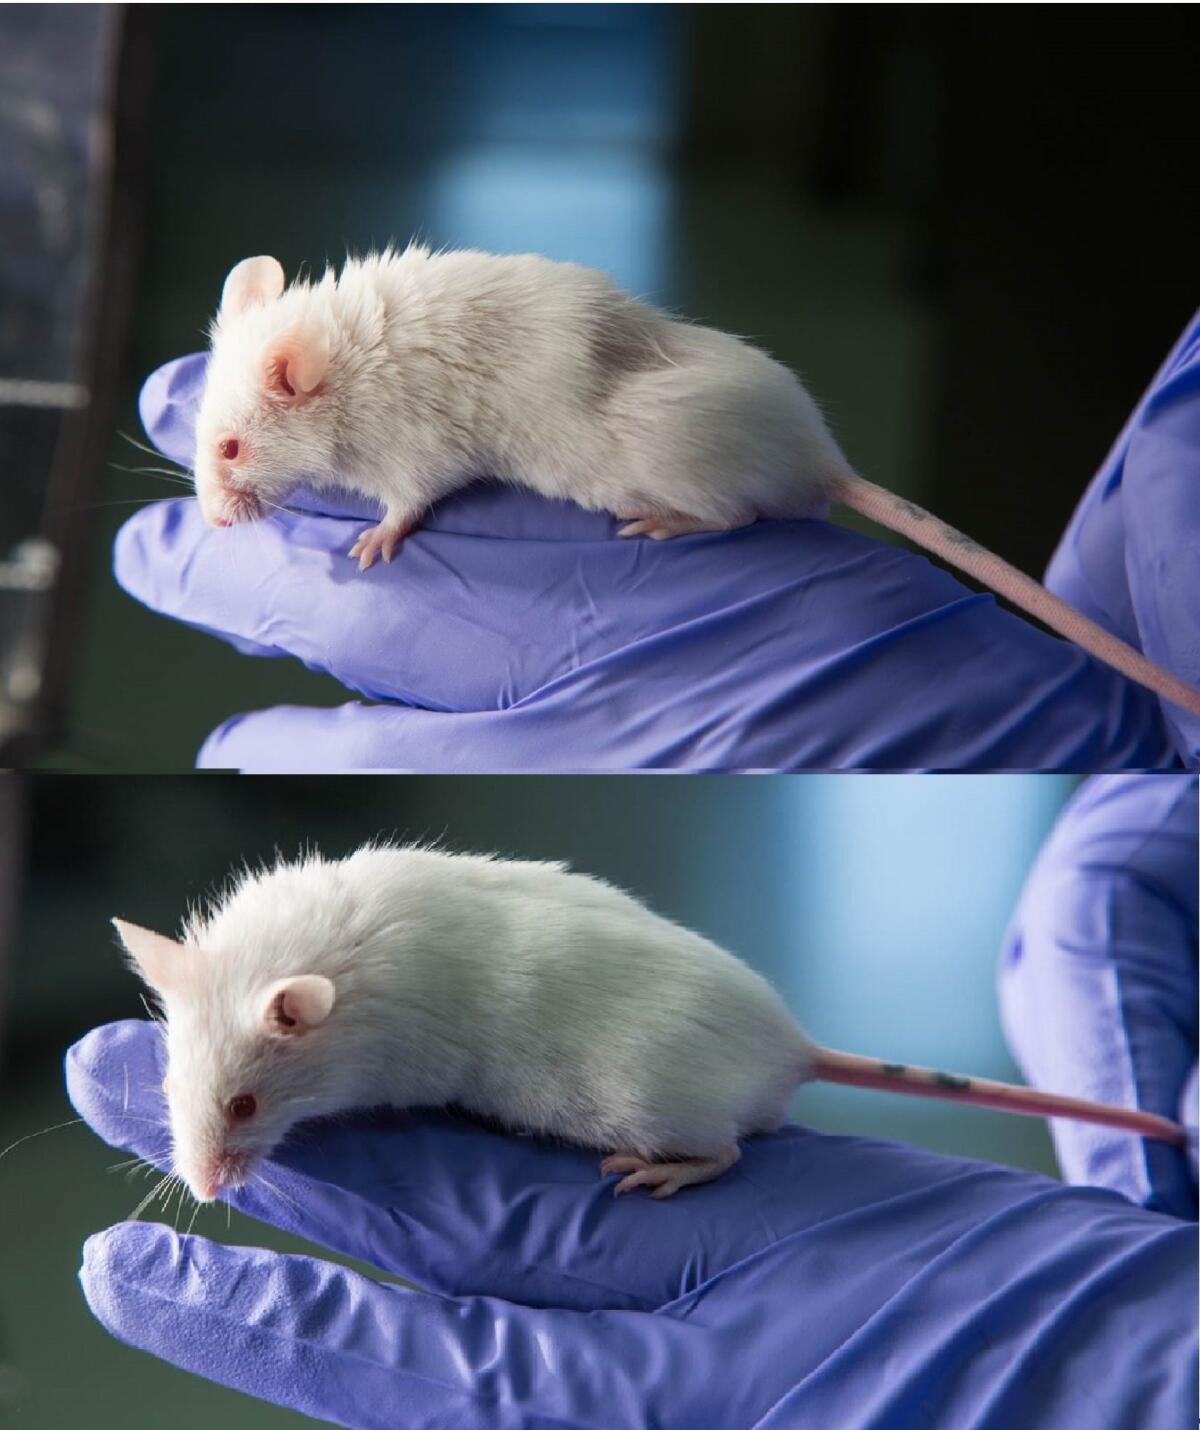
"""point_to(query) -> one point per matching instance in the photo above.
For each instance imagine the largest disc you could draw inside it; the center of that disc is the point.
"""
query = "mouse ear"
(253, 280)
(296, 1006)
(295, 362)
(157, 959)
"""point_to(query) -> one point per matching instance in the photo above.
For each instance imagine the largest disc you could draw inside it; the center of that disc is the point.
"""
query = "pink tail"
(1023, 591)
(829, 1066)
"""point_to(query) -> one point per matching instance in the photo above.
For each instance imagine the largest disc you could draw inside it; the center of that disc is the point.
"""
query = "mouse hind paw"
(664, 1179)
(662, 526)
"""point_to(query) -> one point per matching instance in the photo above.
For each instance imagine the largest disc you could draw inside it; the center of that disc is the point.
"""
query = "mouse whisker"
(142, 447)
(29, 1136)
(101, 505)
(282, 1195)
(152, 1013)
(143, 1163)
(195, 1214)
(150, 1196)
(168, 473)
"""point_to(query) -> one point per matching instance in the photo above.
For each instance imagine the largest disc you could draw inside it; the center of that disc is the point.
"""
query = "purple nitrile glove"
(1130, 556)
(1098, 979)
(824, 1281)
(515, 633)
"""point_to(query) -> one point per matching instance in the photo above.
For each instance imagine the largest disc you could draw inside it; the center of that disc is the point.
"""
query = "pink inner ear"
(278, 1014)
(298, 1004)
(295, 362)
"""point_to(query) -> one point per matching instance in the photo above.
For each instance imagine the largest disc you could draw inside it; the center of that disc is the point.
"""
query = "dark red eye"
(228, 448)
(242, 1107)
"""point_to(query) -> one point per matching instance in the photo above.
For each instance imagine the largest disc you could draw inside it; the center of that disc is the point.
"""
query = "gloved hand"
(1128, 556)
(1098, 978)
(824, 1281)
(514, 633)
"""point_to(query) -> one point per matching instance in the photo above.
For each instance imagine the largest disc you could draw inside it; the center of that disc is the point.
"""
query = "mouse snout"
(221, 1173)
(224, 503)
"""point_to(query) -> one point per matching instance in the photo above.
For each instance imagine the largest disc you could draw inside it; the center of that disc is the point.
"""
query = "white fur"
(547, 1000)
(448, 366)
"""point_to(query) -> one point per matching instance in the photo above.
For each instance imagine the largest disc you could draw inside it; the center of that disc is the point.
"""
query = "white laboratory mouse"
(545, 1000)
(409, 374)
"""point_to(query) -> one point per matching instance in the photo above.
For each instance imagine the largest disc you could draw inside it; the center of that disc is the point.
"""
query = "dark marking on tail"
(960, 538)
(952, 1081)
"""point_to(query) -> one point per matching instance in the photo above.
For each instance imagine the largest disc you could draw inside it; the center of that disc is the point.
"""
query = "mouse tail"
(826, 1065)
(927, 530)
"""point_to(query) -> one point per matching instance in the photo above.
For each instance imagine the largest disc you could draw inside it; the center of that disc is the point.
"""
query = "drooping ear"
(296, 1006)
(158, 959)
(294, 362)
(253, 280)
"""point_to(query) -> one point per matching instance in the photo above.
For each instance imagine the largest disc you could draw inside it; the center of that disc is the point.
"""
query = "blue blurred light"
(903, 889)
(608, 209)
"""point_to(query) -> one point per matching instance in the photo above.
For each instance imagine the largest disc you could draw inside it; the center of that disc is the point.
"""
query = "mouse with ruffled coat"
(545, 1000)
(409, 374)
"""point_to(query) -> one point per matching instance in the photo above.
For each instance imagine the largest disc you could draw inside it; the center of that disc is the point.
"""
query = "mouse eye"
(228, 448)
(242, 1107)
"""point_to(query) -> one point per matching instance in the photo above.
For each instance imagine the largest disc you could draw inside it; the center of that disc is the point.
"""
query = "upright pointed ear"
(294, 362)
(253, 280)
(296, 1006)
(159, 960)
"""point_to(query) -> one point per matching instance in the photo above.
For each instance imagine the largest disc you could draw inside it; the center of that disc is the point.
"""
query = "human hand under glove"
(832, 1281)
(513, 633)
(1098, 978)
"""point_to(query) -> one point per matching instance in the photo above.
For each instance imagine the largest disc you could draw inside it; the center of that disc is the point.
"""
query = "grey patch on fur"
(620, 344)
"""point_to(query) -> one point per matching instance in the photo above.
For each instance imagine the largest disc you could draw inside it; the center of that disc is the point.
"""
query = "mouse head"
(247, 1055)
(264, 423)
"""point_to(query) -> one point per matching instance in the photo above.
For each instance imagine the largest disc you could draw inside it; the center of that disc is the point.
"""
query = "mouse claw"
(381, 540)
(664, 1179)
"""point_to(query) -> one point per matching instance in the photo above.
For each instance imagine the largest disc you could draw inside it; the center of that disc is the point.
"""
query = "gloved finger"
(1126, 558)
(1189, 1117)
(332, 1344)
(1098, 981)
(444, 1202)
(632, 715)
(785, 645)
(461, 1210)
(1163, 527)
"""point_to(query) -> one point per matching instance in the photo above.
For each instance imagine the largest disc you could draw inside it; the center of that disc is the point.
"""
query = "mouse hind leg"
(661, 526)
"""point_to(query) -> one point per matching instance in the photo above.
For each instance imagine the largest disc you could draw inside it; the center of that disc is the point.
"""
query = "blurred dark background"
(970, 228)
(875, 904)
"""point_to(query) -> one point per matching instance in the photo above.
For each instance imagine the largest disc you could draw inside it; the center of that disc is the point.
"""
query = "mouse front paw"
(380, 540)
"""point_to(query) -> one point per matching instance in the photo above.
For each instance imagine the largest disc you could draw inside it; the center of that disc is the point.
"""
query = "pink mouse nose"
(221, 521)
